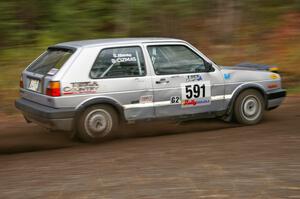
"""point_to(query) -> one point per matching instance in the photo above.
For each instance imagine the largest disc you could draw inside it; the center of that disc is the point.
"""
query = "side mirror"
(209, 67)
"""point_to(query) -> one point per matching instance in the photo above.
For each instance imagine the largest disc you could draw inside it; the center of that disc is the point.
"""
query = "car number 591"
(196, 93)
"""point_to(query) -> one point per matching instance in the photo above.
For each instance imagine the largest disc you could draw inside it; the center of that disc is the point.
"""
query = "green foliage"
(230, 31)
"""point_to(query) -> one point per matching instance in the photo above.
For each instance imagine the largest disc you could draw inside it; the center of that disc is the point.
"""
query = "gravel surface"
(197, 159)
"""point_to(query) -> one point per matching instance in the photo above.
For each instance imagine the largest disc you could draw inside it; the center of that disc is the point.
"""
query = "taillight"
(21, 82)
(53, 89)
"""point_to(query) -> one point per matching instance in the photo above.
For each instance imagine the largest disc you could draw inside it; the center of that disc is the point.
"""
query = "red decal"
(190, 102)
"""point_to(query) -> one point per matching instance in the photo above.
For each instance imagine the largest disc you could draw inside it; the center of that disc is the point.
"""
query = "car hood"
(238, 68)
(246, 74)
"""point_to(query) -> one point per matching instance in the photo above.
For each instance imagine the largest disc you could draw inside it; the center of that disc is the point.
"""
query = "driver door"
(182, 84)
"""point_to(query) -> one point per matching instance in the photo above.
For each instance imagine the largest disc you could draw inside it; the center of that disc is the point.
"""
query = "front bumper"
(53, 118)
(275, 98)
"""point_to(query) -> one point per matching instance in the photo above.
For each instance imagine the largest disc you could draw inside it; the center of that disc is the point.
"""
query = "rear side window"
(53, 59)
(119, 62)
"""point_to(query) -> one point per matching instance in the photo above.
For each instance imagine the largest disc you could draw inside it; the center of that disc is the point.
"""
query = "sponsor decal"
(120, 58)
(192, 78)
(274, 76)
(81, 87)
(146, 99)
(53, 71)
(227, 76)
(175, 100)
(195, 102)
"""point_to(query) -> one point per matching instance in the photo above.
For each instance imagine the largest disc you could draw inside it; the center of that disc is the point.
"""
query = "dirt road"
(199, 159)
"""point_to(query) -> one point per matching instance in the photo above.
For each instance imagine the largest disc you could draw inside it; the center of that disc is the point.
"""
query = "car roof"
(98, 42)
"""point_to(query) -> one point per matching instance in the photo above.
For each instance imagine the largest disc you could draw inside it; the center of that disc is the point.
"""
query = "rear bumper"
(275, 98)
(53, 118)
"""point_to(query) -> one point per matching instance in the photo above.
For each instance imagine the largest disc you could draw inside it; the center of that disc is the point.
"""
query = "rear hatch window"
(51, 61)
(48, 64)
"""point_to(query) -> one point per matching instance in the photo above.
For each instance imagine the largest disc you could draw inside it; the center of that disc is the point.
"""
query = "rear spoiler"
(63, 48)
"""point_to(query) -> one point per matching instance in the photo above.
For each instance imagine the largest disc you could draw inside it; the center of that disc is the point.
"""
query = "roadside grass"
(293, 90)
(12, 63)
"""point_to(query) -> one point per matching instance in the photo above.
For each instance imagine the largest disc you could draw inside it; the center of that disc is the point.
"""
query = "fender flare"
(241, 89)
(100, 100)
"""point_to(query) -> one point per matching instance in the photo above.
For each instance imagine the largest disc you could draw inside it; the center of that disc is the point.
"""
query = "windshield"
(52, 59)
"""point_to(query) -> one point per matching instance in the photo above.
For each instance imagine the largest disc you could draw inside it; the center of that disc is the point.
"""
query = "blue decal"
(199, 78)
(192, 78)
(227, 76)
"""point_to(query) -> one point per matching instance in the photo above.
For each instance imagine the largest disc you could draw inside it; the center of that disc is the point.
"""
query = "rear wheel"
(249, 107)
(97, 123)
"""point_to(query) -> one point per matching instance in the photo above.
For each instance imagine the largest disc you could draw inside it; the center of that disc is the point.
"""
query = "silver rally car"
(90, 87)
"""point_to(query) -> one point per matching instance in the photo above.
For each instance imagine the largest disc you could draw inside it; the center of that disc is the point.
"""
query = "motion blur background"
(228, 31)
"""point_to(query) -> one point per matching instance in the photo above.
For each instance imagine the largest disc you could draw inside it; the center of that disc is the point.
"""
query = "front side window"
(175, 59)
(119, 62)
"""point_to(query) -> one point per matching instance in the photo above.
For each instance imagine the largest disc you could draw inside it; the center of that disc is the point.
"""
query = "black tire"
(97, 123)
(249, 107)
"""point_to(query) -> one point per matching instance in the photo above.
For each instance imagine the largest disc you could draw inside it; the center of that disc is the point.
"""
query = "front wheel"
(97, 123)
(249, 107)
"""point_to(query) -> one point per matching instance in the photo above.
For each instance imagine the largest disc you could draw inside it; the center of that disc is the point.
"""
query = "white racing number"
(195, 93)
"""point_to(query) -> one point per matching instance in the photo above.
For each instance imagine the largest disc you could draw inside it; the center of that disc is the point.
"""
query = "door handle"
(162, 81)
